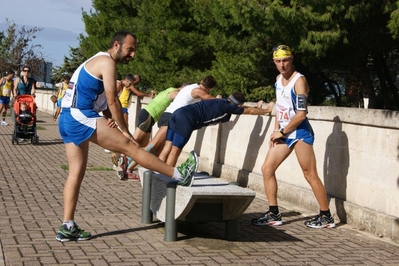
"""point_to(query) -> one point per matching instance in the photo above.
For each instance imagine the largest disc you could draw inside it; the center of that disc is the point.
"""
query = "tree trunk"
(382, 80)
(368, 87)
(392, 89)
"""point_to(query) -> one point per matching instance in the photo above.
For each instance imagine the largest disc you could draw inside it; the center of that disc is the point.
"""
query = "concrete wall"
(357, 153)
(43, 102)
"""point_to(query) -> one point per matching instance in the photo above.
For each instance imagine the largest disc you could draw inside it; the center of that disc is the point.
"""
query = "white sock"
(69, 224)
(176, 175)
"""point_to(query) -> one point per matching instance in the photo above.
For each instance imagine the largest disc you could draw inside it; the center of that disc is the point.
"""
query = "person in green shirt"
(148, 116)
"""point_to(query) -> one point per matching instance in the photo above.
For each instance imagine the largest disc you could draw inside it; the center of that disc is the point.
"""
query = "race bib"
(68, 96)
(282, 114)
(6, 91)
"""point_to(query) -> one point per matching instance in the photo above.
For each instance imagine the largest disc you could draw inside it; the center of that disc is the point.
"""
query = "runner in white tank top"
(292, 131)
(286, 109)
(93, 89)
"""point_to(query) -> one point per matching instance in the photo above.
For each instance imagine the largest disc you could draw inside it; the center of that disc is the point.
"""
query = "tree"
(99, 29)
(235, 30)
(331, 38)
(17, 50)
(70, 64)
(343, 47)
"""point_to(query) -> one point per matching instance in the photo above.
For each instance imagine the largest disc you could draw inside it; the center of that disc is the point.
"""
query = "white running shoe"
(122, 167)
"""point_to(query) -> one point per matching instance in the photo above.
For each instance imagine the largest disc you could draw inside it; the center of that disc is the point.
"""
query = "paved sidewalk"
(31, 185)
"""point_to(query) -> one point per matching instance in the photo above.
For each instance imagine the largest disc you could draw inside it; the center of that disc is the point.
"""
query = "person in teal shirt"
(24, 84)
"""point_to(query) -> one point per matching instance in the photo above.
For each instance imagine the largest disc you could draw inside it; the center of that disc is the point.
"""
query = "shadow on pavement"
(130, 230)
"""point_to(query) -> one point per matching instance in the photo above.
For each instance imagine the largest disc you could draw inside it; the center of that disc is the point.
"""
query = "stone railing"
(357, 153)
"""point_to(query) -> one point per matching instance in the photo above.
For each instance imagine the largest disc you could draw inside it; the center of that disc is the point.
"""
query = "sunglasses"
(26, 70)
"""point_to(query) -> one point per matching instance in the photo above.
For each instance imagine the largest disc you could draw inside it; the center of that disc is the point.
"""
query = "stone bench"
(208, 200)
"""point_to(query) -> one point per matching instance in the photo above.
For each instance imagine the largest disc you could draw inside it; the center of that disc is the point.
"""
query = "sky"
(61, 23)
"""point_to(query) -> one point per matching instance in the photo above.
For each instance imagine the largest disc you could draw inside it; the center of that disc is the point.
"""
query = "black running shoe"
(321, 221)
(268, 218)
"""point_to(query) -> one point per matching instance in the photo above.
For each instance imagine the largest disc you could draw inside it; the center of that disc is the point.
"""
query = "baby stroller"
(25, 120)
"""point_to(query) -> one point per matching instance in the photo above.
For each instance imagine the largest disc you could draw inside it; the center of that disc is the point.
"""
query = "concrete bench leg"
(170, 222)
(146, 213)
(232, 230)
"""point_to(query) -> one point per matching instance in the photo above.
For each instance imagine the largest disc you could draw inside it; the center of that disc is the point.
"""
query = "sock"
(273, 209)
(149, 148)
(69, 224)
(176, 175)
(325, 213)
(130, 164)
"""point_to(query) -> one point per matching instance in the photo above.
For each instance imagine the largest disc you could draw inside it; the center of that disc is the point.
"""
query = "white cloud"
(61, 22)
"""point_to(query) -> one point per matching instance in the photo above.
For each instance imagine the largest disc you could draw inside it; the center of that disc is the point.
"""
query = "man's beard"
(120, 58)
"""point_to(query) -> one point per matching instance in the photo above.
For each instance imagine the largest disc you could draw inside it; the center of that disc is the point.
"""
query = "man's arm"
(258, 111)
(33, 90)
(119, 86)
(1, 89)
(60, 87)
(57, 113)
(15, 91)
(172, 95)
(108, 72)
(203, 95)
(137, 92)
(301, 87)
(107, 113)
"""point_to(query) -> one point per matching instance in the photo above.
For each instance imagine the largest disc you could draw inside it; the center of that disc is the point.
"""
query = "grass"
(91, 168)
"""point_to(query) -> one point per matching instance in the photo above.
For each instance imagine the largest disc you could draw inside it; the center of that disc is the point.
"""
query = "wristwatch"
(282, 131)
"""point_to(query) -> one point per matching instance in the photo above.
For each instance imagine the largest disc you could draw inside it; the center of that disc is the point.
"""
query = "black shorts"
(164, 119)
(145, 121)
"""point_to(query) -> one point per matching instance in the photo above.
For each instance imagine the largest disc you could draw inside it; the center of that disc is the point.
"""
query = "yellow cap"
(281, 51)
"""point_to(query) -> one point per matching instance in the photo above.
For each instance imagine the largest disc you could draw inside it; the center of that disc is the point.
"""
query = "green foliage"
(70, 64)
(343, 47)
(393, 23)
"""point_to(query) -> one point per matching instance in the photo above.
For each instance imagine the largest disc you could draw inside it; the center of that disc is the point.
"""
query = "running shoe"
(115, 158)
(187, 170)
(321, 221)
(75, 234)
(4, 123)
(132, 176)
(122, 166)
(269, 218)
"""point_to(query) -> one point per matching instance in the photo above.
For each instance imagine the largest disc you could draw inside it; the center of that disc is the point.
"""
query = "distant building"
(44, 73)
(46, 67)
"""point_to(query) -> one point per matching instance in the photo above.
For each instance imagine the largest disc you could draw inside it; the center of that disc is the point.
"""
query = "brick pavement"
(31, 186)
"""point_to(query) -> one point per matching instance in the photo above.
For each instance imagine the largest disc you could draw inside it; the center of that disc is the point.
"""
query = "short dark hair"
(120, 37)
(239, 96)
(208, 82)
(130, 77)
(9, 71)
